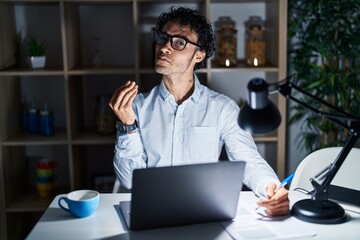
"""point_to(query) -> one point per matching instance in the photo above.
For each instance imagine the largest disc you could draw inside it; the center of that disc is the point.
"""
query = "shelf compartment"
(240, 11)
(83, 93)
(89, 33)
(21, 92)
(20, 172)
(41, 20)
(90, 161)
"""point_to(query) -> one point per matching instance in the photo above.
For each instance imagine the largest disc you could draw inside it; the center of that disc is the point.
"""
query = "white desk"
(106, 223)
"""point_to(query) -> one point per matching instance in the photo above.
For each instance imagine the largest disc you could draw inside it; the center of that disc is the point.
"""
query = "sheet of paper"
(255, 224)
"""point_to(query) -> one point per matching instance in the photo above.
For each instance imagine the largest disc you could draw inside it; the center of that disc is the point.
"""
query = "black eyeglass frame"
(170, 37)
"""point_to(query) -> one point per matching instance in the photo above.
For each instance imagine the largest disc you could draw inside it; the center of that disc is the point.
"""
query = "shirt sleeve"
(240, 146)
(129, 154)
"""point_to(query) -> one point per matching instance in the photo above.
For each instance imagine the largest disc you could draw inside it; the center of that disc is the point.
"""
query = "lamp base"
(318, 211)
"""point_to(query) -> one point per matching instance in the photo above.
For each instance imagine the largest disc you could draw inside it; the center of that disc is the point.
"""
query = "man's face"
(169, 61)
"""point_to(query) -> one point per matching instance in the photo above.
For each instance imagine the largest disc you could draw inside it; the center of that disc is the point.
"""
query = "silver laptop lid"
(187, 194)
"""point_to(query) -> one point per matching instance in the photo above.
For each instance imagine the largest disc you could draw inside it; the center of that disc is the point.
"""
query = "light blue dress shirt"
(193, 132)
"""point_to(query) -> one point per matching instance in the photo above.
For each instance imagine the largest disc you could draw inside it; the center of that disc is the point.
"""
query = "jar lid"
(225, 21)
(32, 110)
(255, 22)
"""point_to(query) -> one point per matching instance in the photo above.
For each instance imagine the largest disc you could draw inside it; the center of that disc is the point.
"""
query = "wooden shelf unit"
(69, 83)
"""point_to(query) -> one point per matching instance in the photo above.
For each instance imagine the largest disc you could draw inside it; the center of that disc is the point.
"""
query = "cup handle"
(62, 206)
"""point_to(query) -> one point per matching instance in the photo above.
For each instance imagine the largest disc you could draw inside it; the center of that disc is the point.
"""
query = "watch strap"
(125, 129)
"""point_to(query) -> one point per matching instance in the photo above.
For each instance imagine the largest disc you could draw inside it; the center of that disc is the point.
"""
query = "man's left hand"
(276, 204)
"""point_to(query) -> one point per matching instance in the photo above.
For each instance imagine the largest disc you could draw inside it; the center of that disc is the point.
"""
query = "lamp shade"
(259, 121)
(259, 115)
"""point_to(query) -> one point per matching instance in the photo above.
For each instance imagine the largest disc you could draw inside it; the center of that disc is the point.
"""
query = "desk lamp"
(259, 115)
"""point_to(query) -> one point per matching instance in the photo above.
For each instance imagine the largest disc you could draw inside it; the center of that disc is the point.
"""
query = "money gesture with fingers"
(122, 100)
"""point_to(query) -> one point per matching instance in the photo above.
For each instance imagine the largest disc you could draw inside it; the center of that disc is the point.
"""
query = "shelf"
(26, 139)
(266, 138)
(242, 67)
(30, 72)
(29, 201)
(102, 70)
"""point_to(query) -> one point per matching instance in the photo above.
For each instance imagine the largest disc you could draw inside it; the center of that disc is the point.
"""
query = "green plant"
(324, 46)
(35, 47)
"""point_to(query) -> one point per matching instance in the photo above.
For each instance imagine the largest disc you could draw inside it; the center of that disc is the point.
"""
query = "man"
(181, 121)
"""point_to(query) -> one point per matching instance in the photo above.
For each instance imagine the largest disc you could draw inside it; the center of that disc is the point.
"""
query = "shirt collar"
(165, 94)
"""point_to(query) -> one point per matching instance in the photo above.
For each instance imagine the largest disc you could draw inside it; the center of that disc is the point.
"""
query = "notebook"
(183, 195)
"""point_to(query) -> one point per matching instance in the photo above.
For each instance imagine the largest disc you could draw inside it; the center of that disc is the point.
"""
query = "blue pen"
(282, 184)
(285, 181)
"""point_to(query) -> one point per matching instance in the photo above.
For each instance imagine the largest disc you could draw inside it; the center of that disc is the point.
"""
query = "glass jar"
(255, 43)
(104, 116)
(226, 42)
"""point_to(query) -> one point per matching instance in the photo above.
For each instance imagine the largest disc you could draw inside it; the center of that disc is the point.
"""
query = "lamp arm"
(321, 181)
(285, 88)
(321, 188)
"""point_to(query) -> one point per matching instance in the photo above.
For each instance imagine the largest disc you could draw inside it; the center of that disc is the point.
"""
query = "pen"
(284, 182)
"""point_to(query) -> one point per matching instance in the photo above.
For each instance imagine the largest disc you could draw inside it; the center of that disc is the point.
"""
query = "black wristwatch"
(125, 129)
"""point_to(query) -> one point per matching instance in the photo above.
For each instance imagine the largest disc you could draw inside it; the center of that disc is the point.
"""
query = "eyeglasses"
(177, 42)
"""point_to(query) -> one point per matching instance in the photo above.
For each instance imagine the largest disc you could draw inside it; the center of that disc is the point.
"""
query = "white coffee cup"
(80, 203)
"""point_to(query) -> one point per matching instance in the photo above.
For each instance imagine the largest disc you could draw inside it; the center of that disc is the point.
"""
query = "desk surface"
(106, 223)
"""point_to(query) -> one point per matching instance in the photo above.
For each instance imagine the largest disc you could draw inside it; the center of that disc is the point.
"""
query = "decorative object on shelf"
(255, 43)
(260, 115)
(96, 59)
(104, 117)
(44, 177)
(33, 119)
(226, 42)
(46, 121)
(36, 50)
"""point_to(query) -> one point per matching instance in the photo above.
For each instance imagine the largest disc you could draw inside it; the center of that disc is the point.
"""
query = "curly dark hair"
(196, 22)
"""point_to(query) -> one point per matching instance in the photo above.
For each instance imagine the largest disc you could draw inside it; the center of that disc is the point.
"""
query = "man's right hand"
(121, 102)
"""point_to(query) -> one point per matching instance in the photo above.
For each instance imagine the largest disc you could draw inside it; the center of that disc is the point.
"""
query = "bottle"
(104, 116)
(226, 42)
(33, 119)
(46, 122)
(255, 43)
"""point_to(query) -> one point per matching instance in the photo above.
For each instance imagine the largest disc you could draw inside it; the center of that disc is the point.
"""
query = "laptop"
(183, 195)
